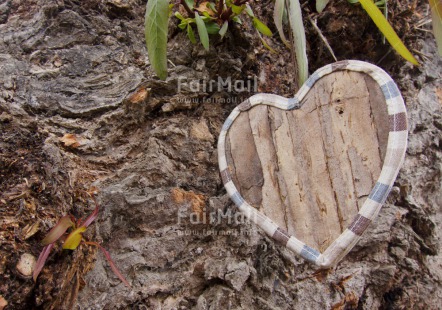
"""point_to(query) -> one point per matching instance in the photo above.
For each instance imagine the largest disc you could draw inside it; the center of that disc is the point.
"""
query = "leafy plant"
(209, 17)
(71, 241)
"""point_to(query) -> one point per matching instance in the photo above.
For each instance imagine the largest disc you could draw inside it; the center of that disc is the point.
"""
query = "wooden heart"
(304, 168)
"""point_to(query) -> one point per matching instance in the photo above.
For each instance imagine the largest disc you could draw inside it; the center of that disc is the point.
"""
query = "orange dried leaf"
(70, 140)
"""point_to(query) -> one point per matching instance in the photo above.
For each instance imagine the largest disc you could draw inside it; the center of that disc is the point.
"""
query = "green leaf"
(223, 29)
(299, 42)
(436, 14)
(237, 20)
(202, 31)
(207, 16)
(237, 9)
(73, 240)
(178, 15)
(321, 4)
(261, 27)
(388, 31)
(278, 15)
(191, 34)
(58, 230)
(212, 27)
(156, 26)
(212, 6)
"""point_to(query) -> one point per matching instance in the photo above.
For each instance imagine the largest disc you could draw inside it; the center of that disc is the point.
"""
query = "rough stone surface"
(80, 68)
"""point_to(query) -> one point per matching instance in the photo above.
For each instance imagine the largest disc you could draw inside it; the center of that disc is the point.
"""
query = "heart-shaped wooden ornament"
(304, 168)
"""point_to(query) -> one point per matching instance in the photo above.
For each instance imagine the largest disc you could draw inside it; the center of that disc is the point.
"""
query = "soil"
(82, 112)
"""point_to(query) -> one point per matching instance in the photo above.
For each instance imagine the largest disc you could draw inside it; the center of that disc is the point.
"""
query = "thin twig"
(186, 7)
(220, 8)
(324, 39)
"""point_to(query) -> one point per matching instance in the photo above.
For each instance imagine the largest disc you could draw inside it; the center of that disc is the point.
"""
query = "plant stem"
(220, 8)
(228, 14)
(186, 7)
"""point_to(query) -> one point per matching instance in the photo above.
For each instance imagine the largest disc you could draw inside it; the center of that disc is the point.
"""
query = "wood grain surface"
(311, 169)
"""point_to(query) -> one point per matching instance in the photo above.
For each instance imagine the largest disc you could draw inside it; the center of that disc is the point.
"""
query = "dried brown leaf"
(29, 230)
(70, 140)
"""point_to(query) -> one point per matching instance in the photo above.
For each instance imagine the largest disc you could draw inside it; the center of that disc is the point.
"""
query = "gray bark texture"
(80, 108)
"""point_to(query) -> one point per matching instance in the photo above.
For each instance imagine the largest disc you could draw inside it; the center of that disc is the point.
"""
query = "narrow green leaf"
(202, 31)
(265, 43)
(299, 42)
(249, 10)
(388, 31)
(73, 240)
(191, 34)
(436, 14)
(261, 27)
(223, 30)
(321, 4)
(58, 230)
(278, 15)
(156, 26)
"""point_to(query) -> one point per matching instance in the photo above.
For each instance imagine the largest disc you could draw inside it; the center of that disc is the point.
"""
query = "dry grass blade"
(299, 41)
(278, 14)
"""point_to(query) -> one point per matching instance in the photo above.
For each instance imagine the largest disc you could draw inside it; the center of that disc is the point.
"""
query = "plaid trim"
(225, 176)
(390, 90)
(309, 253)
(237, 199)
(379, 192)
(359, 224)
(312, 79)
(227, 124)
(397, 142)
(245, 105)
(340, 65)
(281, 236)
(398, 122)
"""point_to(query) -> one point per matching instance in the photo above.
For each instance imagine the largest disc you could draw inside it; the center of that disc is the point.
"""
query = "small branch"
(186, 7)
(220, 8)
(324, 39)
